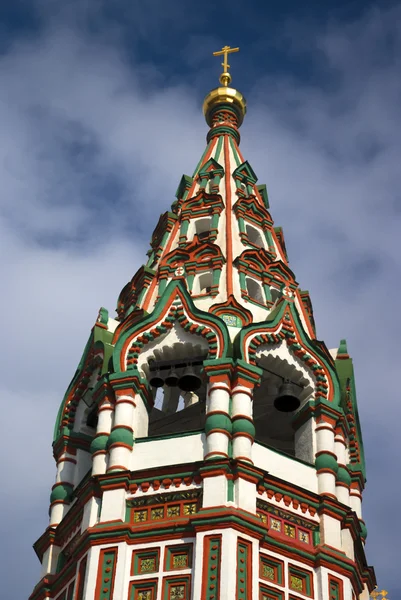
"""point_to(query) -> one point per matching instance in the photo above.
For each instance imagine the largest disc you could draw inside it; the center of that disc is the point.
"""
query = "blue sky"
(100, 114)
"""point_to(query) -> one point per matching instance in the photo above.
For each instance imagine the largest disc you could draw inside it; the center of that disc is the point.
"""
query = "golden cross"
(376, 594)
(225, 77)
(225, 51)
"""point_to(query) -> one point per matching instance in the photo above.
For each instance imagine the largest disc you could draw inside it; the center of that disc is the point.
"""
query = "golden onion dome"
(224, 96)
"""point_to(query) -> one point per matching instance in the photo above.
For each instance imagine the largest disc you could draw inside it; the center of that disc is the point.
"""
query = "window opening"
(254, 290)
(275, 294)
(202, 228)
(179, 400)
(92, 418)
(204, 283)
(254, 236)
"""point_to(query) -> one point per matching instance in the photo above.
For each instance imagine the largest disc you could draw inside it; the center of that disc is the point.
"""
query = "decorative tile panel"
(275, 524)
(268, 572)
(145, 561)
(190, 508)
(148, 565)
(267, 593)
(159, 507)
(176, 588)
(146, 590)
(178, 557)
(173, 511)
(296, 583)
(271, 569)
(303, 536)
(284, 523)
(177, 592)
(140, 516)
(180, 561)
(156, 514)
(289, 530)
(300, 580)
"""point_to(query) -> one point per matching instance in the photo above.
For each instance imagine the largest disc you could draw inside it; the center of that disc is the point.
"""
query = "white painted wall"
(171, 451)
(285, 467)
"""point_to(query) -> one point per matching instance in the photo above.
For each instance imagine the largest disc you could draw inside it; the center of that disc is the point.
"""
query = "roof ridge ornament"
(225, 77)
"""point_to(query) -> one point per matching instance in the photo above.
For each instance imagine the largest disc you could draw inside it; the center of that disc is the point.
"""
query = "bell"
(156, 380)
(172, 379)
(189, 381)
(287, 399)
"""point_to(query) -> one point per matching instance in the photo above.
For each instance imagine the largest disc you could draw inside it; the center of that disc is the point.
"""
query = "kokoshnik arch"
(208, 446)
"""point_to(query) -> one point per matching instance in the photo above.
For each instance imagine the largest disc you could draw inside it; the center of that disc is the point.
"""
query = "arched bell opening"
(285, 386)
(174, 370)
(86, 416)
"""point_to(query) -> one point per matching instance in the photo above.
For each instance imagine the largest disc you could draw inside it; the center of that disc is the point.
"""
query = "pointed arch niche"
(175, 339)
(199, 263)
(198, 215)
(76, 424)
(176, 352)
(255, 224)
(264, 281)
(275, 428)
(282, 349)
(254, 221)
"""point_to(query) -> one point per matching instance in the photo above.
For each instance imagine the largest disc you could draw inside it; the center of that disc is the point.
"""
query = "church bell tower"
(208, 446)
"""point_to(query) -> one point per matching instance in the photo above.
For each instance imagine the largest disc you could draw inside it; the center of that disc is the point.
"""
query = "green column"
(267, 291)
(184, 231)
(214, 226)
(241, 225)
(190, 280)
(269, 239)
(162, 285)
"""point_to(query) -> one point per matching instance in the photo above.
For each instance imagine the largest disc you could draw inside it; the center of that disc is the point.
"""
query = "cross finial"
(225, 77)
(382, 594)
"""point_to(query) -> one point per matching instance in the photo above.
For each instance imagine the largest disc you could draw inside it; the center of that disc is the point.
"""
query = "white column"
(243, 428)
(49, 560)
(218, 422)
(98, 446)
(326, 460)
(355, 498)
(342, 485)
(121, 436)
(62, 489)
(218, 432)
